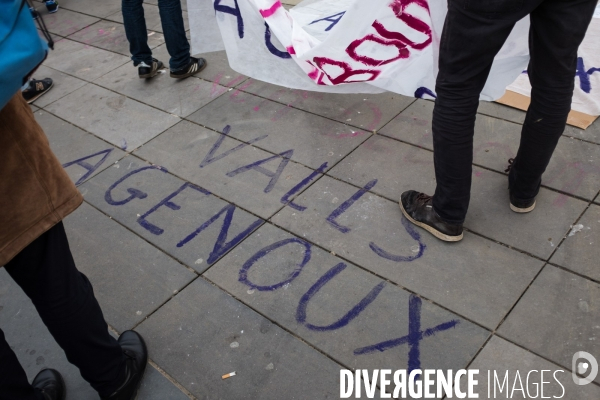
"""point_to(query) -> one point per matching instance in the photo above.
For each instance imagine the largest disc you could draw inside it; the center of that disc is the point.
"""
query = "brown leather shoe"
(417, 208)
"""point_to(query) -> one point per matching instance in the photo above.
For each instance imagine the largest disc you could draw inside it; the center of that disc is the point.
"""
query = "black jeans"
(473, 34)
(65, 301)
(171, 18)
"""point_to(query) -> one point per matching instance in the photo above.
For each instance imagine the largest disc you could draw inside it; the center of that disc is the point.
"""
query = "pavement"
(240, 226)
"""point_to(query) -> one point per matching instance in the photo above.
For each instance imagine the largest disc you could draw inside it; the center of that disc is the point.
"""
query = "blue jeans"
(171, 18)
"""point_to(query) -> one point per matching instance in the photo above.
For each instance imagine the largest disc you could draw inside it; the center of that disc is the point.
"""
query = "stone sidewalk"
(240, 226)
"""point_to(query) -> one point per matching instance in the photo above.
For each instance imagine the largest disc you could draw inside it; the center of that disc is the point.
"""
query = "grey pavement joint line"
(302, 340)
(172, 380)
(159, 369)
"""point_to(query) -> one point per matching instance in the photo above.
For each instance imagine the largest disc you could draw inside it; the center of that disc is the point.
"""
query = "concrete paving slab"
(397, 166)
(476, 279)
(412, 125)
(83, 61)
(219, 71)
(91, 7)
(131, 278)
(244, 175)
(574, 168)
(65, 22)
(591, 134)
(365, 111)
(313, 139)
(499, 357)
(82, 155)
(341, 309)
(152, 17)
(501, 111)
(115, 118)
(557, 317)
(580, 251)
(175, 96)
(538, 232)
(197, 230)
(156, 386)
(36, 349)
(204, 333)
(63, 84)
(109, 35)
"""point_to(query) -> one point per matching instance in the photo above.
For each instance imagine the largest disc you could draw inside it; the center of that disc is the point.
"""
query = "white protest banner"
(354, 46)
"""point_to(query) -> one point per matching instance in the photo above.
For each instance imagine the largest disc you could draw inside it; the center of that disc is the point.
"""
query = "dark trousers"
(65, 301)
(171, 18)
(473, 34)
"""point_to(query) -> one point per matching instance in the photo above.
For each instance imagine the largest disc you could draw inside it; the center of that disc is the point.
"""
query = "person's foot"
(194, 66)
(51, 384)
(51, 6)
(146, 71)
(34, 12)
(136, 355)
(517, 205)
(36, 89)
(521, 206)
(417, 208)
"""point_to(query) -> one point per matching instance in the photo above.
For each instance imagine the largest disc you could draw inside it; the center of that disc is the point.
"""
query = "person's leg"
(135, 30)
(557, 29)
(65, 301)
(13, 380)
(171, 18)
(473, 34)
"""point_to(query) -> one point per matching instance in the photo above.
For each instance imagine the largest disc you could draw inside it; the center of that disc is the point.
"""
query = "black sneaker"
(34, 13)
(417, 208)
(517, 205)
(36, 89)
(51, 6)
(194, 66)
(51, 384)
(521, 206)
(146, 71)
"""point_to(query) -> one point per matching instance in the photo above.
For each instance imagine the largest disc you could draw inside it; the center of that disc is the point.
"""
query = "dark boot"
(136, 353)
(51, 384)
(418, 209)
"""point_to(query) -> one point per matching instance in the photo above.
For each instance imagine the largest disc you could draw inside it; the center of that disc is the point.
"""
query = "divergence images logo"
(580, 368)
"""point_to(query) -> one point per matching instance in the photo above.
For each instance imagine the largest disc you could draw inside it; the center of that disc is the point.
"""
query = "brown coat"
(35, 191)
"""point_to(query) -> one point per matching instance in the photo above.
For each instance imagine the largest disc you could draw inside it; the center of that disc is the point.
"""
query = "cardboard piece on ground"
(516, 100)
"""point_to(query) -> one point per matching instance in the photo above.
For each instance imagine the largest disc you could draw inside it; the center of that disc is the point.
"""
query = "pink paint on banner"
(401, 47)
(348, 74)
(270, 11)
(314, 74)
(291, 50)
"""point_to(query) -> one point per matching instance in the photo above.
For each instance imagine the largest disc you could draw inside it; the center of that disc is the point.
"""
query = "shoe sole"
(189, 74)
(40, 94)
(433, 231)
(522, 210)
(150, 75)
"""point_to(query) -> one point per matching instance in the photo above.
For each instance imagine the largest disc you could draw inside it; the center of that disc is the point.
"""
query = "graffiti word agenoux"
(221, 246)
